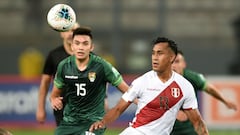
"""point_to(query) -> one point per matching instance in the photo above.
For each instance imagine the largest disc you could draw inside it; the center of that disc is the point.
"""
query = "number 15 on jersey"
(81, 90)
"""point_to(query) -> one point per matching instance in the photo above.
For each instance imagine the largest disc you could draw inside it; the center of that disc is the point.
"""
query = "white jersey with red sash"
(158, 102)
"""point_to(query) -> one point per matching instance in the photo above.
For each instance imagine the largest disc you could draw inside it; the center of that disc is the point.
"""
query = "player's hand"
(135, 101)
(56, 103)
(181, 116)
(96, 125)
(231, 105)
(41, 115)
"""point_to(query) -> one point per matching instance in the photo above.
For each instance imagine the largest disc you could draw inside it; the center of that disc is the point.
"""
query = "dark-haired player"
(49, 70)
(82, 78)
(161, 92)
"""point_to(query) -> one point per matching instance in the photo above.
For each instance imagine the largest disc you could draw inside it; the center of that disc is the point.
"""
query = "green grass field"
(108, 132)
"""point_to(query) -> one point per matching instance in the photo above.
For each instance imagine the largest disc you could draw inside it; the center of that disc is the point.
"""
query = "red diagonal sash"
(158, 106)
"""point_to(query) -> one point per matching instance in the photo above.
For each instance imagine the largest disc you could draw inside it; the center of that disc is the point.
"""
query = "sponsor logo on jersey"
(175, 92)
(71, 77)
(153, 89)
(91, 76)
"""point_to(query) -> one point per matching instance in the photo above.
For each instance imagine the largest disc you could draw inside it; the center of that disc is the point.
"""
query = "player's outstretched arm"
(123, 86)
(111, 115)
(197, 121)
(42, 94)
(213, 91)
(55, 99)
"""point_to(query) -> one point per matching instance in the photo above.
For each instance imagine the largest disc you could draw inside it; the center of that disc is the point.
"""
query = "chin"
(154, 69)
(80, 57)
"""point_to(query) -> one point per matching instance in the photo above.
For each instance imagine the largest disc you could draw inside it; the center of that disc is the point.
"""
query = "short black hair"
(180, 52)
(83, 31)
(171, 43)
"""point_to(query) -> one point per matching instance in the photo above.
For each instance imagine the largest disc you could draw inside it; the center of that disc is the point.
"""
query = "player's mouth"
(80, 53)
(154, 64)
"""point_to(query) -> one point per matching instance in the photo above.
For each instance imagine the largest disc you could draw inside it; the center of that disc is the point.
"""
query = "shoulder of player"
(146, 76)
(97, 59)
(67, 60)
(188, 72)
(56, 51)
(193, 76)
(181, 80)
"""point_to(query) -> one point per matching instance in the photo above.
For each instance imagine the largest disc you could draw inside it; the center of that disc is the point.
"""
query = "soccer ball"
(61, 17)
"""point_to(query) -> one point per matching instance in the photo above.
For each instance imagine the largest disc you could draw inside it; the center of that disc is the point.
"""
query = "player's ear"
(173, 57)
(71, 46)
(172, 61)
(184, 64)
(61, 34)
(92, 47)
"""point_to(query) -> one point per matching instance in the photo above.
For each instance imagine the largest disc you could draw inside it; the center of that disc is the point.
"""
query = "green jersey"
(196, 79)
(199, 84)
(84, 91)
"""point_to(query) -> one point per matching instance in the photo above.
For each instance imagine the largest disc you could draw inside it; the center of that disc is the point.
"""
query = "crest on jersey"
(92, 76)
(175, 92)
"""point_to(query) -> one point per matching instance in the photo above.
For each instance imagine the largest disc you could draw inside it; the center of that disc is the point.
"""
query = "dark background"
(124, 29)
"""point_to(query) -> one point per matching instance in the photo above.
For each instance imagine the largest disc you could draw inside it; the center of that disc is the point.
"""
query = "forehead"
(179, 56)
(82, 37)
(160, 46)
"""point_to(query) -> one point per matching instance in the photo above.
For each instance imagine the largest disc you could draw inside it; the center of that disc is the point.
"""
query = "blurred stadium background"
(208, 32)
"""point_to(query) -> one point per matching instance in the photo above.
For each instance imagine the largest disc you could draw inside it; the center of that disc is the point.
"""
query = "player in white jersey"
(159, 101)
(161, 93)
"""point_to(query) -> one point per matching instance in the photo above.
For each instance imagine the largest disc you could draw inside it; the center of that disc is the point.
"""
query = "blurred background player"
(49, 70)
(182, 125)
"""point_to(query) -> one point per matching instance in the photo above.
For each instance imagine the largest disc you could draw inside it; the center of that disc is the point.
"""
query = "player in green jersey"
(49, 70)
(83, 78)
(182, 125)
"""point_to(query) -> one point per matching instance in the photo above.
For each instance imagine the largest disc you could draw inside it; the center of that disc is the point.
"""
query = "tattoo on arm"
(199, 125)
(201, 129)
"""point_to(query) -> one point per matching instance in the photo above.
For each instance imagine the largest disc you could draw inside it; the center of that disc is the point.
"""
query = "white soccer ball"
(61, 17)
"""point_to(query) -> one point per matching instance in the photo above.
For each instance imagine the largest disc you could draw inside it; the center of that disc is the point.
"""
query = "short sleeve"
(190, 101)
(112, 74)
(133, 92)
(58, 79)
(196, 79)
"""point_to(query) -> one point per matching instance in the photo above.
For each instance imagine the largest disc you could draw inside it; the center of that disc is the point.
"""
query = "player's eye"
(76, 42)
(86, 43)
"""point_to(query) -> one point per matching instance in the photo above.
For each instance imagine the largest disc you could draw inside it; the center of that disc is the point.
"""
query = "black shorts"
(58, 115)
